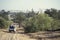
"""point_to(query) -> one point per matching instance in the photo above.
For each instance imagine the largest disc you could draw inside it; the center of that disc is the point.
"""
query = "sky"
(29, 4)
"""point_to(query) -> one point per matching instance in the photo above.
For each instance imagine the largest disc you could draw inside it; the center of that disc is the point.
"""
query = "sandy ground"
(19, 35)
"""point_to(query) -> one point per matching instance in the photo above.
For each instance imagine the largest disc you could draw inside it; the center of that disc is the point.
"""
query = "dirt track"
(20, 35)
(5, 35)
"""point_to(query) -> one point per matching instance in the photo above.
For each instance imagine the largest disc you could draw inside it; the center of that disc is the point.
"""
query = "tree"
(4, 14)
(52, 13)
(19, 17)
(55, 14)
(37, 23)
(55, 25)
(3, 23)
(31, 13)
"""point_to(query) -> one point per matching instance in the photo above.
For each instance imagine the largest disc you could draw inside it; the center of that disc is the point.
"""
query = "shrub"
(37, 23)
(4, 23)
(9, 23)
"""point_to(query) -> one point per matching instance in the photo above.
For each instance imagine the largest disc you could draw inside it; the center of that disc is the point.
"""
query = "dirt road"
(5, 35)
(20, 35)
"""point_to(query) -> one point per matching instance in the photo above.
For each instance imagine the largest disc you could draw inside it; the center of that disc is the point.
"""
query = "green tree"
(52, 13)
(39, 22)
(4, 14)
(19, 17)
(31, 13)
(3, 23)
(55, 25)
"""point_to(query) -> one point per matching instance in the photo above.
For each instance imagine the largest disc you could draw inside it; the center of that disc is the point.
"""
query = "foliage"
(38, 23)
(4, 14)
(53, 13)
(19, 17)
(55, 25)
(3, 23)
(9, 23)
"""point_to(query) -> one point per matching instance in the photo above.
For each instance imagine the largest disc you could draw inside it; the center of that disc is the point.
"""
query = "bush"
(55, 24)
(4, 23)
(37, 23)
(9, 23)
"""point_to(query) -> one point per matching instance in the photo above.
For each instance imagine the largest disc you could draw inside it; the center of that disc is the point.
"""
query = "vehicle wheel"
(9, 30)
(14, 31)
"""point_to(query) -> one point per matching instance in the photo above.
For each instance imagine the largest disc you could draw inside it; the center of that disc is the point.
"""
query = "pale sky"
(29, 4)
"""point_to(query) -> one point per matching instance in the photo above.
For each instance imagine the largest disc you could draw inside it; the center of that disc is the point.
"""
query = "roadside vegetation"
(32, 21)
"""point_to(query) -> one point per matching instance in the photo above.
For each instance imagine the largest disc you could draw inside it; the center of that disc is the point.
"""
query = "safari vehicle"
(12, 29)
